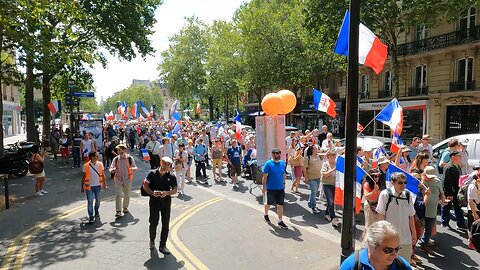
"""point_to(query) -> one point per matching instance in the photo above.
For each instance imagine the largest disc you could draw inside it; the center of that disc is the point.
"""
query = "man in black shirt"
(160, 185)
(322, 136)
(451, 175)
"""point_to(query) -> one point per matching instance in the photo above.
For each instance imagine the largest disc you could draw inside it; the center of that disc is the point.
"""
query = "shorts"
(297, 171)
(236, 170)
(64, 151)
(217, 162)
(275, 197)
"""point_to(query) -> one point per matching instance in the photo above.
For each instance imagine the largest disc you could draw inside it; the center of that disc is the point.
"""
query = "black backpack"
(358, 265)
(391, 196)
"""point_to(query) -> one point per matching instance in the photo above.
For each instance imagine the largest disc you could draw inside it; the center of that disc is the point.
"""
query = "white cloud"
(170, 19)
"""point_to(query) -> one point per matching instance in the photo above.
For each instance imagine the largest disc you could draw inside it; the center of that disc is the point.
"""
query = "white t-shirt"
(167, 150)
(473, 193)
(153, 146)
(87, 147)
(94, 177)
(398, 214)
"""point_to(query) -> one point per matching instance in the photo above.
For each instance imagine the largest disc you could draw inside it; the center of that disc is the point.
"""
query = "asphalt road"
(212, 227)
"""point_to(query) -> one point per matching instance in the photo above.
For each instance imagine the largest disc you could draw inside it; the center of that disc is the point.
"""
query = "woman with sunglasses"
(381, 245)
(371, 191)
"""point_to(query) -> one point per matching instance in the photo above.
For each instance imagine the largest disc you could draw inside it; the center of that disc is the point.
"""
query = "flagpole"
(373, 119)
(348, 236)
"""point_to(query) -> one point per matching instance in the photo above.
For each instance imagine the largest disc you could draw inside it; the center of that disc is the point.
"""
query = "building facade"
(12, 123)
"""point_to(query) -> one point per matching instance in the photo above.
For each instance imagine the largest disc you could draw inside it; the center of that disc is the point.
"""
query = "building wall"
(11, 111)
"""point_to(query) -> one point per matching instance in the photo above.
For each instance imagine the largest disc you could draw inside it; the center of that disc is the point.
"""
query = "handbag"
(143, 192)
(35, 166)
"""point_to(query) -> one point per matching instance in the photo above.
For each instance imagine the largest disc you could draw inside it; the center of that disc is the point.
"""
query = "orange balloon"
(289, 101)
(272, 104)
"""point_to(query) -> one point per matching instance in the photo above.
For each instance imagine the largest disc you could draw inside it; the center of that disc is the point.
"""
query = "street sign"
(84, 94)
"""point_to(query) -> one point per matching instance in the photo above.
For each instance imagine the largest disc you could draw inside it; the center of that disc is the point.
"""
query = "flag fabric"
(324, 103)
(378, 153)
(122, 108)
(188, 120)
(110, 116)
(392, 116)
(145, 154)
(197, 110)
(339, 184)
(143, 107)
(176, 128)
(87, 117)
(135, 110)
(359, 127)
(174, 107)
(175, 117)
(397, 143)
(412, 182)
(106, 116)
(55, 106)
(238, 127)
(221, 131)
(371, 51)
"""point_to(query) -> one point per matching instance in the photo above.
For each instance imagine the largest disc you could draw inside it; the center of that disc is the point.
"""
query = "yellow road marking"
(179, 222)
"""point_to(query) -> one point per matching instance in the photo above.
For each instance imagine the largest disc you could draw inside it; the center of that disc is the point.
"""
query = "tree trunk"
(46, 96)
(210, 108)
(1, 96)
(29, 105)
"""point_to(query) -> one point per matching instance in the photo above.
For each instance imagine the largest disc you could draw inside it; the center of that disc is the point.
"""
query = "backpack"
(391, 196)
(357, 265)
(35, 166)
(462, 195)
(129, 158)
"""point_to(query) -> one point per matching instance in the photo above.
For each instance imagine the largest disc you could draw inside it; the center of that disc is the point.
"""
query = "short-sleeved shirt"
(445, 156)
(275, 171)
(234, 154)
(399, 211)
(165, 182)
(94, 177)
(349, 263)
(436, 190)
(313, 166)
(473, 193)
(328, 180)
(413, 152)
(200, 149)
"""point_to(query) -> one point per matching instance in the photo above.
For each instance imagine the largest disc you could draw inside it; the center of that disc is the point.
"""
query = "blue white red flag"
(397, 143)
(55, 106)
(392, 116)
(238, 127)
(174, 107)
(371, 51)
(339, 184)
(324, 103)
(135, 110)
(412, 182)
(145, 154)
(144, 108)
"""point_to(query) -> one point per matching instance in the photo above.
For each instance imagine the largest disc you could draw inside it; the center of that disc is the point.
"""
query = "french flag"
(145, 154)
(174, 107)
(359, 127)
(110, 116)
(324, 103)
(87, 117)
(371, 51)
(379, 152)
(122, 108)
(397, 143)
(238, 127)
(339, 184)
(221, 130)
(392, 116)
(144, 108)
(412, 182)
(197, 110)
(135, 110)
(55, 106)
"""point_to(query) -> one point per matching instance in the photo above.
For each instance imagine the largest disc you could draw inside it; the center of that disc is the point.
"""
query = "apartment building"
(12, 124)
(439, 81)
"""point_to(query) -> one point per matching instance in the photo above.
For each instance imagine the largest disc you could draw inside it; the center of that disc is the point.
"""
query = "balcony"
(417, 91)
(384, 93)
(364, 95)
(462, 86)
(443, 41)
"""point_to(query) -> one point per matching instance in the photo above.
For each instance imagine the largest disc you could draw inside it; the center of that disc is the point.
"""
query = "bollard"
(5, 183)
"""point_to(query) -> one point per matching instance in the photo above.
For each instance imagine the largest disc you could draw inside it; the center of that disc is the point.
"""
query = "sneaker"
(335, 222)
(91, 220)
(267, 219)
(152, 244)
(428, 250)
(462, 227)
(118, 214)
(416, 259)
(44, 191)
(431, 243)
(327, 217)
(205, 182)
(125, 210)
(235, 185)
(316, 210)
(97, 214)
(164, 250)
(282, 225)
(39, 194)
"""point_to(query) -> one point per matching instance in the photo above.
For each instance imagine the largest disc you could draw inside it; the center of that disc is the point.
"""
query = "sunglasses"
(389, 250)
(376, 176)
(276, 153)
(402, 182)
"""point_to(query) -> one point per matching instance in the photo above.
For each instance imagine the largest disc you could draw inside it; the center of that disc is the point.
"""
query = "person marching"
(160, 185)
(92, 181)
(153, 148)
(123, 166)
(273, 185)
(181, 160)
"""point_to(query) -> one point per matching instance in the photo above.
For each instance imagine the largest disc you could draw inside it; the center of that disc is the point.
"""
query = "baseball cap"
(274, 150)
(454, 153)
(167, 159)
(430, 172)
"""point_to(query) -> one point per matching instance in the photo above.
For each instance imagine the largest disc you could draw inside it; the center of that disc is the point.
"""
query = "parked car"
(290, 128)
(473, 148)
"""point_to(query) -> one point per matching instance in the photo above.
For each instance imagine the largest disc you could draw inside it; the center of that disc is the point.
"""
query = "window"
(364, 84)
(422, 32)
(467, 19)
(420, 78)
(464, 69)
(387, 81)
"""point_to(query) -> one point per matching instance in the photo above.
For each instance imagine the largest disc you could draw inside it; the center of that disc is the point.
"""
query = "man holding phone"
(160, 185)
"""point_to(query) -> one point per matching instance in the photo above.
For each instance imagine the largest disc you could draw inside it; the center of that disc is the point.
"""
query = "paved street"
(211, 227)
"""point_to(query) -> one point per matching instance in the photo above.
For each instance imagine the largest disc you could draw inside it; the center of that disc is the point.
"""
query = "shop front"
(415, 118)
(11, 118)
(305, 116)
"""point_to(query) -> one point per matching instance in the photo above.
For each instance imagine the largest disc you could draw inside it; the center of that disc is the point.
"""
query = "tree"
(149, 95)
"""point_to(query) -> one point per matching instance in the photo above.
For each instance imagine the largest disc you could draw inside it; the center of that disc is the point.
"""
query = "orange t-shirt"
(372, 197)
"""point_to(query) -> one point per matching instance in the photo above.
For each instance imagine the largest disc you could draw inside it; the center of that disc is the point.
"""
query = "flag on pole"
(174, 107)
(197, 110)
(412, 182)
(110, 116)
(145, 154)
(392, 116)
(135, 110)
(122, 108)
(55, 106)
(143, 107)
(397, 143)
(324, 103)
(238, 127)
(359, 127)
(188, 119)
(371, 51)
(87, 117)
(339, 184)
(221, 131)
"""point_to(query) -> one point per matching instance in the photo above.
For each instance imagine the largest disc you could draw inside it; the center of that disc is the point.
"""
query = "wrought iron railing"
(442, 41)
(462, 86)
(418, 91)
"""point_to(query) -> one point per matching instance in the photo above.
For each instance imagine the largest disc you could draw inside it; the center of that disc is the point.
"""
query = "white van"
(473, 148)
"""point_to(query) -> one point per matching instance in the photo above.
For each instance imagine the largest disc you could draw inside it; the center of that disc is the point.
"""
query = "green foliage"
(148, 95)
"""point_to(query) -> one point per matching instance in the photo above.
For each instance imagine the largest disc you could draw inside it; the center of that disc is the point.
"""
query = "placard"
(94, 126)
(269, 133)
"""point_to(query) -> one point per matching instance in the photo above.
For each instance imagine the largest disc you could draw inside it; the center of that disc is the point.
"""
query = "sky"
(170, 19)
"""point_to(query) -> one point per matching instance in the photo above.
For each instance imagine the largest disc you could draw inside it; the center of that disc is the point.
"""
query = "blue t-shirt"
(275, 171)
(349, 263)
(234, 154)
(199, 149)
